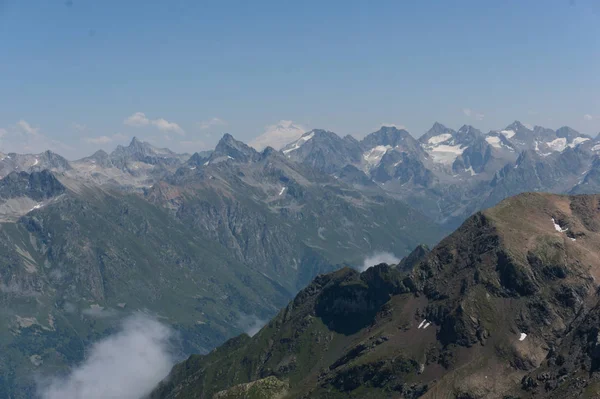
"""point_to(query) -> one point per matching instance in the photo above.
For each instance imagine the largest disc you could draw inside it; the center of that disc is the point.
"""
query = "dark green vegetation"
(505, 307)
(208, 250)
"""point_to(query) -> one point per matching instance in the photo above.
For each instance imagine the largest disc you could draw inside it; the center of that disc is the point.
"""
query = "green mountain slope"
(480, 316)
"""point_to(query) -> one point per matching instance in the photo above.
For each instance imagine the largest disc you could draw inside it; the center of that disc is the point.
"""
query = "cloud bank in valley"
(125, 365)
(377, 258)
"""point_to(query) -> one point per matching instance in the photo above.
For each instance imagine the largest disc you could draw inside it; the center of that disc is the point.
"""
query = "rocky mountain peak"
(230, 147)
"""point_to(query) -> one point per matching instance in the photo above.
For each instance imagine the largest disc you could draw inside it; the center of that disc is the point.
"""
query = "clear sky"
(73, 74)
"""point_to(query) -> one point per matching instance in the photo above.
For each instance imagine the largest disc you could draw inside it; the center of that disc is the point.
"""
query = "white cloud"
(99, 140)
(78, 127)
(473, 114)
(377, 258)
(193, 145)
(278, 135)
(212, 122)
(251, 324)
(392, 125)
(105, 139)
(27, 128)
(166, 126)
(139, 119)
(588, 117)
(125, 365)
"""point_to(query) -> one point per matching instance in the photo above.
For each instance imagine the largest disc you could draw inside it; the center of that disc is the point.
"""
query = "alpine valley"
(214, 242)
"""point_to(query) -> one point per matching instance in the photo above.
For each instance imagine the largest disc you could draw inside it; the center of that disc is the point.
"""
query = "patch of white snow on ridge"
(577, 141)
(193, 168)
(38, 206)
(507, 133)
(206, 163)
(596, 147)
(426, 325)
(470, 170)
(282, 190)
(374, 155)
(522, 337)
(558, 144)
(421, 325)
(36, 162)
(494, 141)
(439, 139)
(557, 227)
(298, 143)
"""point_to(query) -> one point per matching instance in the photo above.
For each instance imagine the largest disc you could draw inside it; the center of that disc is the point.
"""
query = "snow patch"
(282, 190)
(446, 154)
(494, 141)
(596, 147)
(507, 133)
(577, 141)
(439, 139)
(558, 144)
(206, 163)
(557, 227)
(36, 162)
(522, 337)
(299, 143)
(38, 206)
(374, 155)
(421, 325)
(426, 325)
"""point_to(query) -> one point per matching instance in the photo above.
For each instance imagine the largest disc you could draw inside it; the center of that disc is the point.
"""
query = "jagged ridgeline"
(207, 243)
(505, 307)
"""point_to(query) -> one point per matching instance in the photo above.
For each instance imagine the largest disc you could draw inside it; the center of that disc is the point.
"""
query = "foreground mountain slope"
(476, 317)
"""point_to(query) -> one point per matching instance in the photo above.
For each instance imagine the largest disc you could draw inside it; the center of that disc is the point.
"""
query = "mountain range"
(217, 241)
(211, 243)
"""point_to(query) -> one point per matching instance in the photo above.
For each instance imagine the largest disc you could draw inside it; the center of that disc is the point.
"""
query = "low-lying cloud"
(125, 365)
(251, 324)
(377, 258)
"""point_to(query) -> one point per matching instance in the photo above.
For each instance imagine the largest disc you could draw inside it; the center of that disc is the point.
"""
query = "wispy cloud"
(125, 365)
(139, 119)
(588, 117)
(211, 122)
(251, 324)
(105, 139)
(377, 258)
(27, 128)
(78, 127)
(473, 114)
(24, 137)
(166, 126)
(278, 135)
(397, 126)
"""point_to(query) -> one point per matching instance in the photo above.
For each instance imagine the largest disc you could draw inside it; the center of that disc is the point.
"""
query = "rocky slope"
(505, 307)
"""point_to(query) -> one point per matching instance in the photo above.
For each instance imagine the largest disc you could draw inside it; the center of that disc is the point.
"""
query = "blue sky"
(73, 72)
